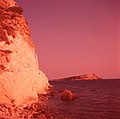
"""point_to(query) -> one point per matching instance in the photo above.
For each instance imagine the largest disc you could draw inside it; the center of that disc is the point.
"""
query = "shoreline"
(35, 110)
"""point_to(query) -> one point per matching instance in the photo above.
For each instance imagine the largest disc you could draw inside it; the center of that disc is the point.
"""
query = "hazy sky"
(75, 37)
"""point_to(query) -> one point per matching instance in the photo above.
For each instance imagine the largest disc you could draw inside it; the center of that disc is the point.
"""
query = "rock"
(1, 113)
(3, 118)
(21, 80)
(67, 95)
(7, 3)
(51, 91)
(38, 115)
(42, 116)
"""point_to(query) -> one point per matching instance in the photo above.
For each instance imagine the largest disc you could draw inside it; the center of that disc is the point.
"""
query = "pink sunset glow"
(75, 37)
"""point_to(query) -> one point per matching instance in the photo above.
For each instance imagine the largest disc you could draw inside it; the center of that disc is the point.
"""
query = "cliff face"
(20, 77)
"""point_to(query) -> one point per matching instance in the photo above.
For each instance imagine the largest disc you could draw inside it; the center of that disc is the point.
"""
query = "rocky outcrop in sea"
(83, 77)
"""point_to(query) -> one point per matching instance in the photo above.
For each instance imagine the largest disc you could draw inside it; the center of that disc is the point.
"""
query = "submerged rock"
(21, 80)
(67, 95)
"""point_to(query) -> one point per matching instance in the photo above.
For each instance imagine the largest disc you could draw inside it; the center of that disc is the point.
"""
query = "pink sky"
(75, 37)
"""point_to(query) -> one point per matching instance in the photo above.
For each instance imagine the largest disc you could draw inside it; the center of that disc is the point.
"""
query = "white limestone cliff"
(21, 80)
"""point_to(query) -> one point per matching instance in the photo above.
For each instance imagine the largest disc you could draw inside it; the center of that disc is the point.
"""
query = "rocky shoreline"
(38, 110)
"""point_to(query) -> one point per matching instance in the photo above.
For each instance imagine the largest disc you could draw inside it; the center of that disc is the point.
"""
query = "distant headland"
(83, 77)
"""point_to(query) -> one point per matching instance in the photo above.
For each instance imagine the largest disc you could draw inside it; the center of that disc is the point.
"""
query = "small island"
(83, 77)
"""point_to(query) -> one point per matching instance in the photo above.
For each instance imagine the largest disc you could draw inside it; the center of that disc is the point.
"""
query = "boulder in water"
(67, 95)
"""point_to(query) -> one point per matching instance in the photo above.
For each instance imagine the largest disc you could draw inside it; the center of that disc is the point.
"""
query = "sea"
(97, 99)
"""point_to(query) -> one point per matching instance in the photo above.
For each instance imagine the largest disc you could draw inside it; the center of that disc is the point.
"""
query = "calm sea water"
(97, 99)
